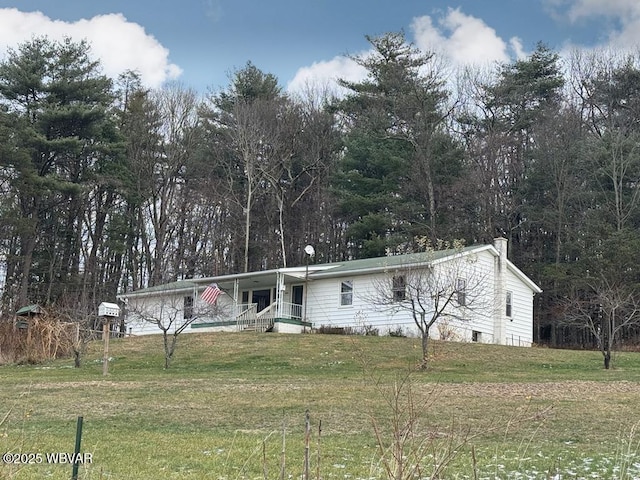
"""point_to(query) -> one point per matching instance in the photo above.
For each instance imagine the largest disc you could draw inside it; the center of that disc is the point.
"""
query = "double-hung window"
(346, 292)
(187, 307)
(399, 288)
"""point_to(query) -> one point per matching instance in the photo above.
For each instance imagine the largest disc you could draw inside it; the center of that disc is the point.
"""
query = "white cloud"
(516, 46)
(213, 10)
(326, 73)
(588, 8)
(463, 40)
(119, 44)
(624, 13)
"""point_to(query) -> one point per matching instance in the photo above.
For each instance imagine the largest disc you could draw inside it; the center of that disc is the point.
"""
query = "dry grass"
(36, 339)
(227, 396)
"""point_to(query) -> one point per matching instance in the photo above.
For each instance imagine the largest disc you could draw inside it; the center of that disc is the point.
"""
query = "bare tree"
(177, 110)
(605, 312)
(251, 131)
(173, 314)
(438, 285)
(605, 86)
(298, 160)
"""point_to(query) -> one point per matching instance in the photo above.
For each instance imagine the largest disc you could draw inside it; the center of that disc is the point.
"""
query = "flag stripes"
(211, 294)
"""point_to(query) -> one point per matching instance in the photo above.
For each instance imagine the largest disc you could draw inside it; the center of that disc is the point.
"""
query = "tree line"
(108, 186)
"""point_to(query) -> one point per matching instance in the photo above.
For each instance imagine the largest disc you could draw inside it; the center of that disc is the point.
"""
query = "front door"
(297, 294)
(262, 298)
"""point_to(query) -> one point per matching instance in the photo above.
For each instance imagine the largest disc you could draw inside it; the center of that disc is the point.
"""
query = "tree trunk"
(424, 364)
(281, 227)
(607, 341)
(247, 225)
(432, 205)
(168, 351)
(28, 247)
(169, 348)
(77, 358)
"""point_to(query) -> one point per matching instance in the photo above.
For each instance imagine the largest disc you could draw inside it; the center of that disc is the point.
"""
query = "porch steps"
(254, 328)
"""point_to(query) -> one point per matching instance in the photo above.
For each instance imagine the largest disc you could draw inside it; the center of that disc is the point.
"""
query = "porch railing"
(264, 318)
(247, 315)
(291, 310)
(250, 319)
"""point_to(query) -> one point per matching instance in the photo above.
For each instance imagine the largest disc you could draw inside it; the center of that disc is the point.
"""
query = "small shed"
(27, 312)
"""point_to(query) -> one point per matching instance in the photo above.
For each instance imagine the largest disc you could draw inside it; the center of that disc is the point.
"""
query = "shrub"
(397, 332)
(36, 339)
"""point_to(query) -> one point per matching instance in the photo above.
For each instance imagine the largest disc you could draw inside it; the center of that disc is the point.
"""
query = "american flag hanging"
(211, 294)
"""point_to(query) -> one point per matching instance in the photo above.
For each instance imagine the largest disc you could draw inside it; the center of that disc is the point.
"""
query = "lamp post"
(310, 251)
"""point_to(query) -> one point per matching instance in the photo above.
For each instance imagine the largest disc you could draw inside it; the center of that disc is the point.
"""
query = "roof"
(348, 267)
(176, 287)
(34, 309)
(367, 265)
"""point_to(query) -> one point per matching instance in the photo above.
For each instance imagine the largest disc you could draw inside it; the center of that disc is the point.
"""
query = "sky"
(201, 43)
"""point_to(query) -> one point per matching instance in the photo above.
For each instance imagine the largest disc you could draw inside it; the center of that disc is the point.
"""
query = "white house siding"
(481, 314)
(169, 306)
(519, 328)
(325, 309)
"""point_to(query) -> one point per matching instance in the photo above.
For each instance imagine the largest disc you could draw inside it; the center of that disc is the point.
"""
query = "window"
(346, 292)
(509, 305)
(399, 288)
(461, 291)
(476, 336)
(187, 307)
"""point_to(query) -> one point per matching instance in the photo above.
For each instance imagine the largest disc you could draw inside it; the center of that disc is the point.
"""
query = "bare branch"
(432, 289)
(173, 314)
(605, 310)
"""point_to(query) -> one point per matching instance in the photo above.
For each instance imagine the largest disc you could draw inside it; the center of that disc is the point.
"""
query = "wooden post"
(307, 439)
(106, 311)
(105, 338)
(284, 444)
(319, 437)
(29, 328)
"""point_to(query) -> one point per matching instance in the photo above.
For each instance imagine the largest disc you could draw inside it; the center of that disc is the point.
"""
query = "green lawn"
(230, 402)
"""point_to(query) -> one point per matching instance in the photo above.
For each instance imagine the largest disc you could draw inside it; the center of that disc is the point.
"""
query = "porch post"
(279, 296)
(236, 288)
(310, 251)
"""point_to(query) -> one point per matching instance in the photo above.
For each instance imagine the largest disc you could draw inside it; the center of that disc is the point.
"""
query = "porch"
(264, 301)
(288, 318)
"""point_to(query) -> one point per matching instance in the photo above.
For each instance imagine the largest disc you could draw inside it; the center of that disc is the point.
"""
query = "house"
(350, 294)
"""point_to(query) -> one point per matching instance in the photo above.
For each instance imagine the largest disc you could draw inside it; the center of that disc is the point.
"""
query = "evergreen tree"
(61, 138)
(397, 153)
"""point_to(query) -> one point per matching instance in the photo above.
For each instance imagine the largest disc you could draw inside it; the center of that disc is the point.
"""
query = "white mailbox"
(106, 309)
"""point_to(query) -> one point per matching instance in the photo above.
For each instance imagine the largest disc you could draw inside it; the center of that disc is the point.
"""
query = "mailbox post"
(107, 311)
